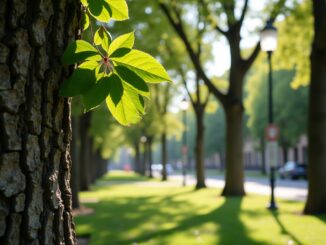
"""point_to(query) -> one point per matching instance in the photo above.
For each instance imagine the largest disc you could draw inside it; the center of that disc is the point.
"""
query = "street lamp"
(268, 43)
(184, 107)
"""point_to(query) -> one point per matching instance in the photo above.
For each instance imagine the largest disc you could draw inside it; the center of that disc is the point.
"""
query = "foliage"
(157, 213)
(215, 133)
(295, 38)
(289, 105)
(109, 69)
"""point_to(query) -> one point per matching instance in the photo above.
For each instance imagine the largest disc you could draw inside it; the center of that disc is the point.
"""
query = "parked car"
(293, 170)
(159, 167)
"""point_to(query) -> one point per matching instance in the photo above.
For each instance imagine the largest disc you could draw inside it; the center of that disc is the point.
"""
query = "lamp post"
(184, 107)
(268, 43)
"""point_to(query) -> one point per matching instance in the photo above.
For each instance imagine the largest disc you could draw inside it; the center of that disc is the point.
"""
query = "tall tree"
(162, 101)
(316, 202)
(232, 101)
(199, 99)
(35, 194)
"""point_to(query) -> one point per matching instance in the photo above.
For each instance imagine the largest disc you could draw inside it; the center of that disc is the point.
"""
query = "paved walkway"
(285, 189)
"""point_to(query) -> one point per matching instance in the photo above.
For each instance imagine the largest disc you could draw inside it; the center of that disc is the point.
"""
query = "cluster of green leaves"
(109, 69)
(295, 38)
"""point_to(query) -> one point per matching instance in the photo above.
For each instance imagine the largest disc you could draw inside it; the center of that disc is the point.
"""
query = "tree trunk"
(92, 160)
(164, 157)
(35, 130)
(199, 150)
(143, 160)
(75, 163)
(85, 175)
(104, 166)
(137, 163)
(150, 157)
(316, 202)
(234, 175)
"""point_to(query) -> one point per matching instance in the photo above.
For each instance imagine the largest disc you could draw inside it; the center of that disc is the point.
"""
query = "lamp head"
(268, 38)
(184, 104)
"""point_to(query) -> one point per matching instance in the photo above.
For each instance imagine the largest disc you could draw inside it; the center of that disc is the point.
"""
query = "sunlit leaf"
(104, 10)
(84, 3)
(144, 65)
(84, 21)
(102, 37)
(133, 80)
(78, 51)
(127, 109)
(124, 41)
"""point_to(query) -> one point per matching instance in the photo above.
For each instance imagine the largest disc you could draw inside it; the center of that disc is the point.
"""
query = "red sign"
(272, 132)
(184, 150)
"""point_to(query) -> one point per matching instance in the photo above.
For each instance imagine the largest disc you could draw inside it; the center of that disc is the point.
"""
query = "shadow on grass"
(231, 230)
(284, 229)
(322, 217)
(115, 217)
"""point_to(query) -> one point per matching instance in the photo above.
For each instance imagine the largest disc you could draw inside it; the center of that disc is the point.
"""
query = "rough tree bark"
(316, 202)
(35, 130)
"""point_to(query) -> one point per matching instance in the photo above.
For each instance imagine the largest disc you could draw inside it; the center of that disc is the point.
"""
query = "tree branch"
(229, 7)
(215, 25)
(184, 81)
(276, 10)
(250, 60)
(192, 54)
(207, 99)
(244, 11)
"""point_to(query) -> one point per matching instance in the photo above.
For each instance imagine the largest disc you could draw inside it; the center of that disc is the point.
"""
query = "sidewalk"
(285, 189)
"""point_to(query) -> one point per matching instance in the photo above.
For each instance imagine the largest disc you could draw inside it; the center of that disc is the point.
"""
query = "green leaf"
(133, 80)
(102, 37)
(78, 51)
(98, 92)
(84, 3)
(144, 65)
(123, 41)
(80, 81)
(125, 107)
(104, 10)
(116, 89)
(84, 21)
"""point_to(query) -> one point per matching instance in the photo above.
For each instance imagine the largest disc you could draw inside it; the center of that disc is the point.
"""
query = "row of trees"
(208, 20)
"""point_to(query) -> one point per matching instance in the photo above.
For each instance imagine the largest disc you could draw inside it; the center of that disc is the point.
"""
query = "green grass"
(133, 210)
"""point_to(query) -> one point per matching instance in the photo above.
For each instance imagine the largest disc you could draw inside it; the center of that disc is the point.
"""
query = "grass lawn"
(133, 210)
